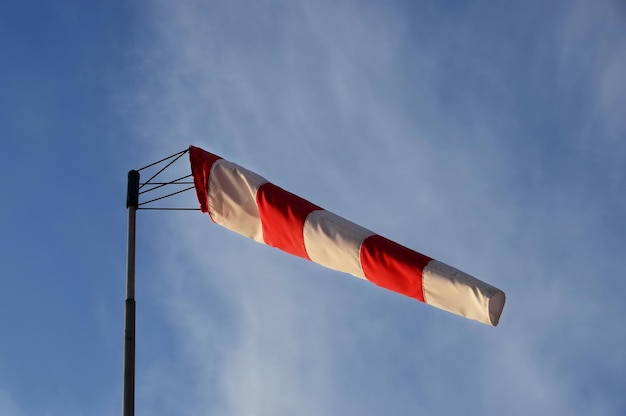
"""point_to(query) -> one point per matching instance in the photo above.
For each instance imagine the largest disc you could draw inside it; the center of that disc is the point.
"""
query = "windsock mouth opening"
(496, 304)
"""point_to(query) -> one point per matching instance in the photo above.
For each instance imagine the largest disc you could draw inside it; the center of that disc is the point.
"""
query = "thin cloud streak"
(8, 406)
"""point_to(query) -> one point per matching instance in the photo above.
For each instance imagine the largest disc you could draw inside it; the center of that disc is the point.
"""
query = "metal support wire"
(166, 196)
(182, 152)
(169, 209)
(176, 156)
(168, 183)
(158, 185)
(162, 184)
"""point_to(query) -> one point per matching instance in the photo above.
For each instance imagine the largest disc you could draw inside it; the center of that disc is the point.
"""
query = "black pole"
(128, 386)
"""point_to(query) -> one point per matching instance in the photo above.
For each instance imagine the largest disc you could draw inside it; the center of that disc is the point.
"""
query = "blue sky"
(488, 136)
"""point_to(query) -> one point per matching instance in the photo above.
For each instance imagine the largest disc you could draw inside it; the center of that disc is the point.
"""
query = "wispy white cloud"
(381, 116)
(8, 406)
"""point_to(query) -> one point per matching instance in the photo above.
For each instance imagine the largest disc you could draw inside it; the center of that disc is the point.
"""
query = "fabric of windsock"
(249, 204)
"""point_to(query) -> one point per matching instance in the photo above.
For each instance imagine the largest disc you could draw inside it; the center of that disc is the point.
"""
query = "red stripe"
(282, 217)
(393, 266)
(201, 162)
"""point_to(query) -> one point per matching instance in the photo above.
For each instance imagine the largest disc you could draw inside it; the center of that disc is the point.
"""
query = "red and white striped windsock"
(248, 204)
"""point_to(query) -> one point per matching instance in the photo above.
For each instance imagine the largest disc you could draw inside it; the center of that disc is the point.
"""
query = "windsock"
(248, 204)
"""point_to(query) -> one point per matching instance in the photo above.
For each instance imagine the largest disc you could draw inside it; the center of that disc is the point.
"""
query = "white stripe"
(454, 291)
(334, 242)
(232, 198)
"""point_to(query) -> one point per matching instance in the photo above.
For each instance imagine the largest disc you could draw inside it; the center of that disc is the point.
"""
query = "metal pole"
(128, 386)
